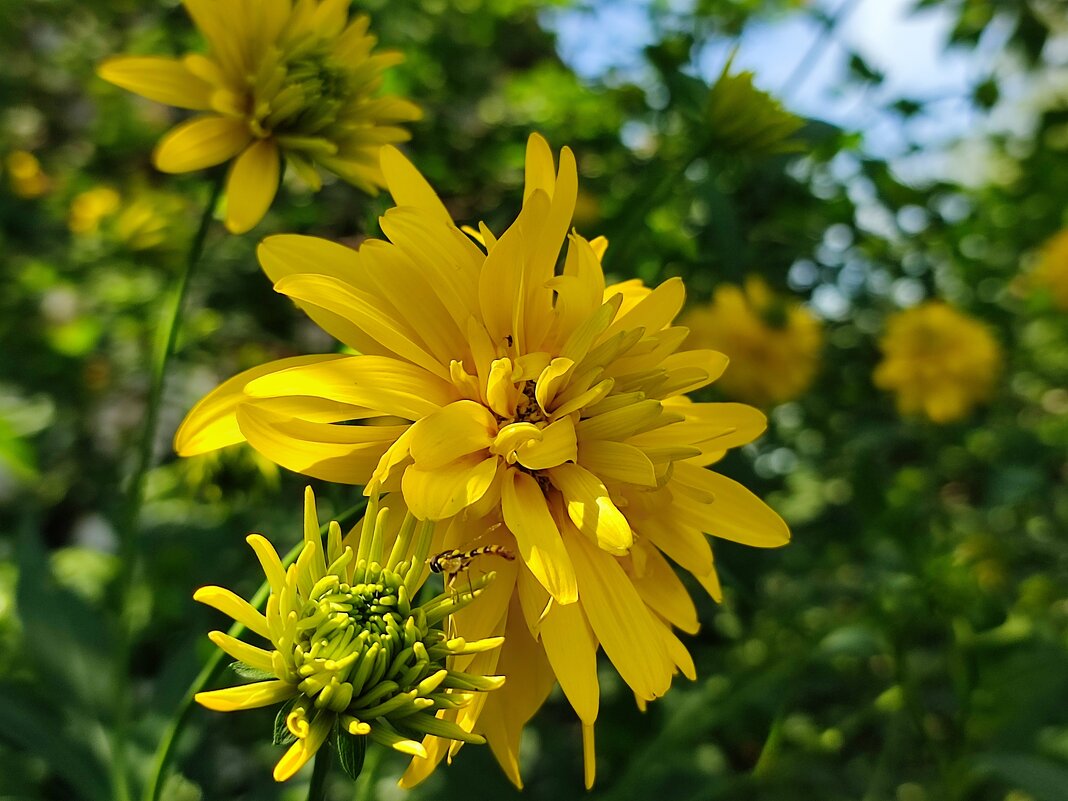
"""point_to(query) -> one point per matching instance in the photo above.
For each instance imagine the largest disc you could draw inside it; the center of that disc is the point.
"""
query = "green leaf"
(282, 734)
(248, 672)
(744, 119)
(351, 750)
(1045, 779)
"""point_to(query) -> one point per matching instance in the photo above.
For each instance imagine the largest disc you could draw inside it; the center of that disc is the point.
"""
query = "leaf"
(1045, 779)
(282, 734)
(351, 750)
(246, 671)
(27, 722)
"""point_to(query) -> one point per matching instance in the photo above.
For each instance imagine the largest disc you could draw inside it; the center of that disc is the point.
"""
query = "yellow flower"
(773, 342)
(352, 655)
(538, 412)
(938, 362)
(89, 208)
(1052, 271)
(281, 79)
(25, 176)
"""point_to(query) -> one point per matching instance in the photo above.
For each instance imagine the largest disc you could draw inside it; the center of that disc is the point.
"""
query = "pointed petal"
(201, 142)
(591, 509)
(235, 606)
(540, 545)
(247, 696)
(212, 424)
(252, 185)
(572, 652)
(409, 187)
(242, 651)
(165, 80)
(734, 512)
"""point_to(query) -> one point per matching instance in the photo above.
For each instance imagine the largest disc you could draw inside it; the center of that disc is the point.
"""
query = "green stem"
(165, 750)
(131, 512)
(365, 785)
(321, 769)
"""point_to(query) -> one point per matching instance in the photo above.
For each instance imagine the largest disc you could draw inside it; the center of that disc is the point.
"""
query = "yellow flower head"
(25, 176)
(89, 208)
(351, 655)
(773, 342)
(1051, 274)
(281, 78)
(938, 362)
(539, 412)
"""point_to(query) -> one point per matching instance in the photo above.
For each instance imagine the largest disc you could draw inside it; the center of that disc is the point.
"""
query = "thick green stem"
(131, 513)
(167, 743)
(321, 769)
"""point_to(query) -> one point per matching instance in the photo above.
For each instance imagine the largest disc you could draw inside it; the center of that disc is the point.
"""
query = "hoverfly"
(454, 562)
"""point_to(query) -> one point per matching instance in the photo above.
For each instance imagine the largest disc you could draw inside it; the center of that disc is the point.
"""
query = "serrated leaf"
(744, 119)
(351, 750)
(282, 734)
(249, 672)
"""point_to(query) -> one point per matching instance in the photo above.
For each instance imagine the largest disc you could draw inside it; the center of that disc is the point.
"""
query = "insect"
(453, 562)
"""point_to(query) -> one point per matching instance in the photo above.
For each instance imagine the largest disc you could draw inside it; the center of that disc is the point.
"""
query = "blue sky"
(907, 47)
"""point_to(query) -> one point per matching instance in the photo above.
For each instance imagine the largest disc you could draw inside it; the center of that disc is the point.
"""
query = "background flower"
(554, 406)
(938, 362)
(281, 79)
(1051, 273)
(772, 341)
(353, 655)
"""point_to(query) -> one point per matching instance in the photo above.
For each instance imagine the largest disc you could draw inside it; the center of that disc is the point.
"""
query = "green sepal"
(351, 750)
(282, 734)
(246, 671)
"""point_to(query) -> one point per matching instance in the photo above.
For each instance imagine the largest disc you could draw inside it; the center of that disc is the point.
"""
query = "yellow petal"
(654, 311)
(438, 494)
(620, 620)
(540, 545)
(572, 652)
(302, 751)
(591, 509)
(540, 170)
(242, 651)
(459, 429)
(534, 600)
(589, 758)
(247, 696)
(212, 423)
(409, 187)
(617, 461)
(345, 454)
(665, 594)
(251, 186)
(390, 386)
(165, 80)
(556, 446)
(734, 512)
(684, 543)
(235, 606)
(200, 142)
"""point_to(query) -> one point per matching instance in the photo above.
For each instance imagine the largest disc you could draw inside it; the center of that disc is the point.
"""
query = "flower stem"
(321, 769)
(365, 785)
(131, 512)
(165, 749)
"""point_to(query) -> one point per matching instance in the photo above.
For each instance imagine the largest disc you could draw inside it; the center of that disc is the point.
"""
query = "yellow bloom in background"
(1051, 274)
(352, 656)
(938, 362)
(89, 208)
(25, 176)
(540, 413)
(773, 342)
(281, 79)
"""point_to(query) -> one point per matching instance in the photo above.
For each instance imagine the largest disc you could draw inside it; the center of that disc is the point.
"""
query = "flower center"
(310, 93)
(527, 409)
(347, 634)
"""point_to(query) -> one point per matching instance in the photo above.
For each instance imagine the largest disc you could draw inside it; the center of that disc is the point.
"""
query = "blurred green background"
(910, 644)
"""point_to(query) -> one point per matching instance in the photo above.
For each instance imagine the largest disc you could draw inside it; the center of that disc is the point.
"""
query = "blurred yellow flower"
(773, 342)
(281, 79)
(1051, 274)
(150, 219)
(540, 413)
(938, 362)
(352, 655)
(89, 208)
(25, 176)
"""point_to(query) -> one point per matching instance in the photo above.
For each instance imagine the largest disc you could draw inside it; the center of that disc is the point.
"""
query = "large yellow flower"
(938, 362)
(773, 342)
(1051, 274)
(538, 411)
(281, 78)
